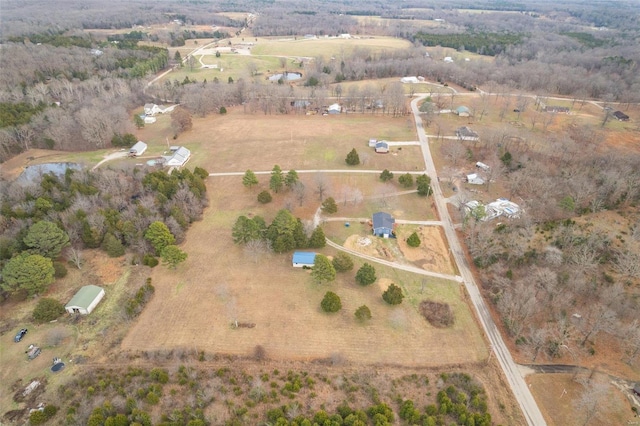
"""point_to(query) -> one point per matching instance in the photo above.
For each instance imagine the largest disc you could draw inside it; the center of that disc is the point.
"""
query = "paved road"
(519, 387)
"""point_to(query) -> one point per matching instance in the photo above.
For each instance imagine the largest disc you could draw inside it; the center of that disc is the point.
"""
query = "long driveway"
(519, 387)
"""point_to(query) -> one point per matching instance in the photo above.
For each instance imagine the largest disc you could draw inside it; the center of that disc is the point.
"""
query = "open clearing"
(197, 308)
(328, 47)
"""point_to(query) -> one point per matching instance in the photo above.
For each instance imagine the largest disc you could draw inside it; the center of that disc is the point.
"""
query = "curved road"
(518, 386)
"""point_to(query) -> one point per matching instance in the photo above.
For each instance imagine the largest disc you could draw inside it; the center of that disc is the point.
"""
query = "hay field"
(327, 47)
(195, 305)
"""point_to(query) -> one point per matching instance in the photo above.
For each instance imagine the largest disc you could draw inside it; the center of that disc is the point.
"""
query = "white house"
(85, 300)
(334, 109)
(148, 119)
(474, 179)
(152, 109)
(138, 149)
(179, 157)
(412, 80)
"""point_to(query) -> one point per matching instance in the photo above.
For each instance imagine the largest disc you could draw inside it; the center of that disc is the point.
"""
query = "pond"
(289, 76)
(31, 173)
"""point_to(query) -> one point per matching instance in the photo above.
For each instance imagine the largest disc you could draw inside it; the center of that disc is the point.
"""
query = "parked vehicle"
(20, 335)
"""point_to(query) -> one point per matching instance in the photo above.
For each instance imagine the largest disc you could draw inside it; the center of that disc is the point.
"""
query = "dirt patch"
(433, 253)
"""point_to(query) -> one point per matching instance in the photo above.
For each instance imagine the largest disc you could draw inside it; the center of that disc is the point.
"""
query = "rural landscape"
(319, 213)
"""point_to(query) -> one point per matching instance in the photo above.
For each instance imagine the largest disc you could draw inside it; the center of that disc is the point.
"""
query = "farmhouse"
(152, 109)
(179, 157)
(412, 80)
(466, 134)
(85, 300)
(303, 258)
(334, 109)
(474, 179)
(502, 207)
(383, 225)
(556, 108)
(621, 116)
(463, 111)
(138, 149)
(382, 147)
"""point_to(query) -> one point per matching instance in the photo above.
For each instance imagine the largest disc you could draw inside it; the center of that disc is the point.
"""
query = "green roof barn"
(85, 300)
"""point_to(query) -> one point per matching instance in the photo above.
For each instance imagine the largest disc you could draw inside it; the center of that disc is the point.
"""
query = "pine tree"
(277, 180)
(366, 275)
(406, 180)
(386, 175)
(342, 262)
(352, 158)
(291, 179)
(329, 206)
(393, 295)
(249, 179)
(363, 313)
(331, 302)
(322, 270)
(413, 240)
(317, 239)
(424, 185)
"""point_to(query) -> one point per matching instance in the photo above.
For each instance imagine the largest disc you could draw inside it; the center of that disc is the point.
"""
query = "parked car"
(20, 335)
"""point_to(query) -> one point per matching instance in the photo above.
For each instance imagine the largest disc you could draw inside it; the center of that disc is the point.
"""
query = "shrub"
(329, 206)
(363, 313)
(150, 260)
(342, 262)
(264, 197)
(37, 418)
(60, 271)
(437, 314)
(223, 110)
(47, 310)
(159, 375)
(406, 180)
(353, 159)
(413, 240)
(393, 295)
(331, 302)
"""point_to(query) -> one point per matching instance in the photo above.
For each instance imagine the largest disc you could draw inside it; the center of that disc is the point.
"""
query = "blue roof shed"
(383, 224)
(303, 258)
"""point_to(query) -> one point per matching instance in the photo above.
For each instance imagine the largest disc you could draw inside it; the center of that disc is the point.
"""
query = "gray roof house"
(85, 300)
(179, 157)
(383, 224)
(466, 134)
(138, 149)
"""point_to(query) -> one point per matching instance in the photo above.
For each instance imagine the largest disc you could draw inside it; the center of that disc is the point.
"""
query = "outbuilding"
(463, 111)
(334, 109)
(179, 157)
(474, 179)
(138, 149)
(382, 147)
(383, 225)
(85, 300)
(466, 134)
(303, 258)
(620, 116)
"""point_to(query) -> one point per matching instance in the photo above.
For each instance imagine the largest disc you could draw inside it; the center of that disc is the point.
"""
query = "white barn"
(179, 157)
(138, 149)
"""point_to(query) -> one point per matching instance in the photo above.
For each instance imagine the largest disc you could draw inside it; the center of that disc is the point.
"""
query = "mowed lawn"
(194, 307)
(327, 47)
(239, 141)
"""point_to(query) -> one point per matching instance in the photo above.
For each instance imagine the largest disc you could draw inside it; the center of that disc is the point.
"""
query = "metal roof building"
(85, 300)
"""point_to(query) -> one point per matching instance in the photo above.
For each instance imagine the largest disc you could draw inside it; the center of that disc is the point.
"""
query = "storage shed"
(138, 149)
(303, 258)
(85, 300)
(382, 147)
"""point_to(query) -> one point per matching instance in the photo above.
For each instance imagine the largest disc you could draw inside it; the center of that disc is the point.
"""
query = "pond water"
(289, 76)
(31, 173)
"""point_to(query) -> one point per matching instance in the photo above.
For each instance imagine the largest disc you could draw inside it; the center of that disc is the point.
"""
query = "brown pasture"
(196, 305)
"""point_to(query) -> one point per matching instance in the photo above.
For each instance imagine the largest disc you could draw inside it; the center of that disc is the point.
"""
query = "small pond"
(289, 76)
(31, 173)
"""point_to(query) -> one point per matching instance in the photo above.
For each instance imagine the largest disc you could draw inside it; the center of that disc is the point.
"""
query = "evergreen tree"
(245, 230)
(138, 121)
(46, 238)
(159, 236)
(352, 158)
(177, 57)
(424, 185)
(249, 179)
(47, 310)
(386, 175)
(342, 262)
(291, 179)
(277, 180)
(331, 303)
(322, 270)
(366, 275)
(112, 245)
(299, 236)
(393, 295)
(329, 206)
(363, 313)
(264, 197)
(281, 231)
(317, 239)
(406, 180)
(172, 255)
(413, 240)
(27, 272)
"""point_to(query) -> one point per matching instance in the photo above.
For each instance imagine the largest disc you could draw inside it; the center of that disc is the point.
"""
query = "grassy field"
(293, 326)
(328, 47)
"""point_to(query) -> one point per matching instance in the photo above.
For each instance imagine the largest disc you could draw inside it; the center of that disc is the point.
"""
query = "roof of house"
(181, 155)
(462, 109)
(383, 220)
(382, 144)
(85, 296)
(335, 107)
(620, 115)
(149, 106)
(304, 257)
